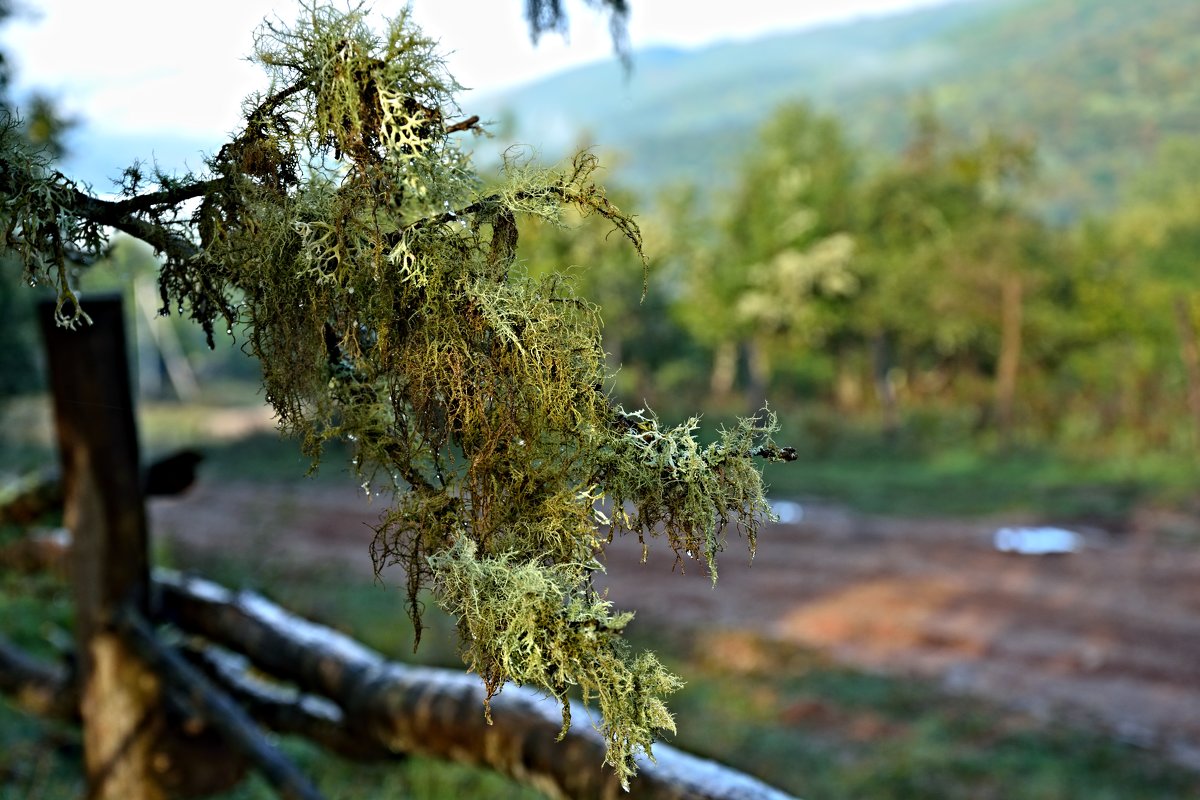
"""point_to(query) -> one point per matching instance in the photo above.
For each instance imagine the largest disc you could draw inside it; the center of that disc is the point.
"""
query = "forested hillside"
(1096, 84)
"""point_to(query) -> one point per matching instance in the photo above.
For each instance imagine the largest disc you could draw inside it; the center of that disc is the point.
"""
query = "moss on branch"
(376, 278)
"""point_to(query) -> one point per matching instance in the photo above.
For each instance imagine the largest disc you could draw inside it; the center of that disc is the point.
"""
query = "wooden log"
(200, 696)
(200, 764)
(38, 686)
(97, 438)
(437, 712)
(47, 689)
(286, 710)
(434, 712)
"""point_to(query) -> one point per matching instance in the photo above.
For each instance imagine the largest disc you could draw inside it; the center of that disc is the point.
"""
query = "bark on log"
(206, 701)
(285, 710)
(39, 686)
(437, 712)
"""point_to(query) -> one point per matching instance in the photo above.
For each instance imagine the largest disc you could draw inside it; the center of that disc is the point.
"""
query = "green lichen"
(532, 622)
(36, 221)
(377, 281)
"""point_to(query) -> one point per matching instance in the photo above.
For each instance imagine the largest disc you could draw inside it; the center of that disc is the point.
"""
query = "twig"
(471, 122)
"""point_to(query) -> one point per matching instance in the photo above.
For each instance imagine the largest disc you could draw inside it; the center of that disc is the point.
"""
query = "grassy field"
(787, 715)
(922, 472)
(790, 716)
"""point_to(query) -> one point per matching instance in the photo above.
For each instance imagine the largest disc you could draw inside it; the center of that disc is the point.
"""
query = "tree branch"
(470, 123)
(104, 212)
(167, 197)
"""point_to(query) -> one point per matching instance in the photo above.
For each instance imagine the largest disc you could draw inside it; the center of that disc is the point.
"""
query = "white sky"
(153, 66)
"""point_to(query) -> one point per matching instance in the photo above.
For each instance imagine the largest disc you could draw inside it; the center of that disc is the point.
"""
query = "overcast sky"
(160, 66)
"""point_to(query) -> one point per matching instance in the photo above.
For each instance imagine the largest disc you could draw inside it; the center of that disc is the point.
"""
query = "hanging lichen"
(376, 279)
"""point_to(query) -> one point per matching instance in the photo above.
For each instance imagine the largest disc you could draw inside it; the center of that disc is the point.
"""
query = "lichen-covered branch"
(375, 276)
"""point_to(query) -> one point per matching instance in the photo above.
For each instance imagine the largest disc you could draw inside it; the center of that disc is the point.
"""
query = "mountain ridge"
(1055, 71)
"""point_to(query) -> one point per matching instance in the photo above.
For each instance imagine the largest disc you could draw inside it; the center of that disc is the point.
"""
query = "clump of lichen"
(36, 228)
(377, 281)
(530, 621)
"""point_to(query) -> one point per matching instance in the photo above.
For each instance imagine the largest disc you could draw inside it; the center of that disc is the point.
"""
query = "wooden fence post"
(103, 508)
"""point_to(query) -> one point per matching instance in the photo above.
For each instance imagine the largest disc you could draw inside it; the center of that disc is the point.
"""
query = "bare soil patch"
(1109, 636)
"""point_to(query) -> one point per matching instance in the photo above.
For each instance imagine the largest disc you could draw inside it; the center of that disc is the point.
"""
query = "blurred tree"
(947, 256)
(774, 271)
(1158, 230)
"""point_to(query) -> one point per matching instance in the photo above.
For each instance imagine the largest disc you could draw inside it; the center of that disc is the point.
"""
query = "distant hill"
(1097, 83)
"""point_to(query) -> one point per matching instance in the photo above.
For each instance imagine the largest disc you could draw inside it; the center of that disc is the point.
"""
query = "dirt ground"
(1108, 636)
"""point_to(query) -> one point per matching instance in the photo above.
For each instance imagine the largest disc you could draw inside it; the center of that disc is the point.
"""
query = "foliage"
(375, 276)
(775, 266)
(923, 294)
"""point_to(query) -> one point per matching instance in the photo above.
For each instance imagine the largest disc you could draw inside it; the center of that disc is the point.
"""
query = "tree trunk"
(847, 387)
(881, 367)
(1189, 348)
(759, 363)
(1009, 362)
(724, 370)
(93, 407)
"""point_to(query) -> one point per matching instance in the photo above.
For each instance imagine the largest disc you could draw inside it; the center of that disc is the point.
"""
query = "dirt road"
(1108, 636)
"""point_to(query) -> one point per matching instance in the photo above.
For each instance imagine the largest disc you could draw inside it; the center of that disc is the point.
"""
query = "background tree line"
(921, 296)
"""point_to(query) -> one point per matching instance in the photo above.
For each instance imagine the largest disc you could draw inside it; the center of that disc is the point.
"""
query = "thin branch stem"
(470, 123)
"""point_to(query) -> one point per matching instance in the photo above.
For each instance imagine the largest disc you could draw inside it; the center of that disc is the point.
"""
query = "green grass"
(825, 731)
(408, 778)
(935, 465)
(968, 483)
(787, 715)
